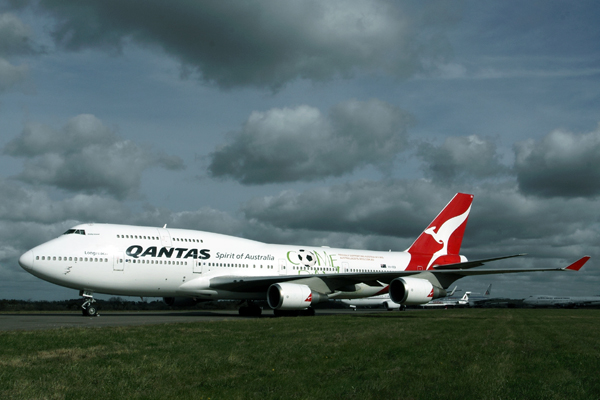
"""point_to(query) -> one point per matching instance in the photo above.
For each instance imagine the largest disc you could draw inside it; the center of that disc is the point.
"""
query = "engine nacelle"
(414, 291)
(180, 301)
(292, 296)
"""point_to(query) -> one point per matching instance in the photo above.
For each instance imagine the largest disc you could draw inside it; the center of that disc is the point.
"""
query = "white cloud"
(15, 38)
(302, 144)
(85, 156)
(461, 157)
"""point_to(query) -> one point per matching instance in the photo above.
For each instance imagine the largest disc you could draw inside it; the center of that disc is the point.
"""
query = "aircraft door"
(197, 266)
(118, 262)
(282, 267)
(344, 268)
(165, 237)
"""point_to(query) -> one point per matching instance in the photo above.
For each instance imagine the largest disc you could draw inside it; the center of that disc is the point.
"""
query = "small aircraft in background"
(561, 301)
(471, 299)
(387, 303)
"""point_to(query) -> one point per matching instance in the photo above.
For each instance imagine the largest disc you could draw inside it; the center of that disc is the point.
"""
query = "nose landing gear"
(88, 309)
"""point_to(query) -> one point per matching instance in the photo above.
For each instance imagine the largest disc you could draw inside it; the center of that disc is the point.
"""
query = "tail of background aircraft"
(488, 290)
(440, 243)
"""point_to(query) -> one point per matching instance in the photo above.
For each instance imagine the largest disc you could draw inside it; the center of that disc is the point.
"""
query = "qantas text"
(137, 251)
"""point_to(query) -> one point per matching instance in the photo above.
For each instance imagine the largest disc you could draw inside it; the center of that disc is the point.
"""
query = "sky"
(340, 123)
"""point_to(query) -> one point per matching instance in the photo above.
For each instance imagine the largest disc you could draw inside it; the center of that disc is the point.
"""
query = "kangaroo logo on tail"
(442, 239)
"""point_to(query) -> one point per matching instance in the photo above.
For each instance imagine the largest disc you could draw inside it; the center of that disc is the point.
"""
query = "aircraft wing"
(475, 263)
(328, 283)
(576, 266)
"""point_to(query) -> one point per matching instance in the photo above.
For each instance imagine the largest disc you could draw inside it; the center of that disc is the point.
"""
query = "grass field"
(454, 354)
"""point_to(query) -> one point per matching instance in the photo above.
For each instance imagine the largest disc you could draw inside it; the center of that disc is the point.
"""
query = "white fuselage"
(159, 262)
(543, 300)
(373, 301)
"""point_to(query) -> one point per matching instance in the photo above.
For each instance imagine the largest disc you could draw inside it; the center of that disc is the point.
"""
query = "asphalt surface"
(53, 320)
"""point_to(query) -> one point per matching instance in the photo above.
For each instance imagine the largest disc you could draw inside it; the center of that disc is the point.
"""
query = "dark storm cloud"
(502, 220)
(561, 164)
(15, 39)
(262, 43)
(302, 144)
(395, 208)
(84, 156)
(502, 216)
(460, 158)
(22, 204)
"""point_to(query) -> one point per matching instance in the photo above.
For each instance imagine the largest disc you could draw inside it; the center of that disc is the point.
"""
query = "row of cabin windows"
(136, 237)
(60, 258)
(226, 265)
(156, 238)
(162, 262)
(314, 268)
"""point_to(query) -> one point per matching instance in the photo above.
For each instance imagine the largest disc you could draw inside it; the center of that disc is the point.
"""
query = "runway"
(54, 320)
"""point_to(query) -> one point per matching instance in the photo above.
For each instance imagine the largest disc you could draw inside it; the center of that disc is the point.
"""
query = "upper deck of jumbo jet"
(112, 232)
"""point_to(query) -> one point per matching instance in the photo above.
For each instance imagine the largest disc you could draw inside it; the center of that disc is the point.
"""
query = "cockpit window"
(75, 231)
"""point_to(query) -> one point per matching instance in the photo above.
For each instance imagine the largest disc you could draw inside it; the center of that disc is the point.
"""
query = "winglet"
(576, 266)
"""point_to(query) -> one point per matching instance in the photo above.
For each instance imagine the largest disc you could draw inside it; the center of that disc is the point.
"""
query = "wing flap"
(473, 264)
(576, 266)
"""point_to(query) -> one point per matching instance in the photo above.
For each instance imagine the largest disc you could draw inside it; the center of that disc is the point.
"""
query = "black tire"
(91, 311)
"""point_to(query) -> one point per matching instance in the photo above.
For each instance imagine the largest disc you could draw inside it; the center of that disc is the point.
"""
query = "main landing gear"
(88, 309)
(249, 309)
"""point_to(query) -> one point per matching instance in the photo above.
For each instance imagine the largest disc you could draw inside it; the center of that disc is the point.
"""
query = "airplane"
(374, 301)
(385, 301)
(466, 300)
(470, 300)
(561, 301)
(187, 265)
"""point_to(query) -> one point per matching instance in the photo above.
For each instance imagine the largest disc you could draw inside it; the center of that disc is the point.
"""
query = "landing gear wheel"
(88, 309)
(91, 311)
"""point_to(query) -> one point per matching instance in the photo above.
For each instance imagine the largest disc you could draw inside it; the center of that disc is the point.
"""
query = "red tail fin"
(442, 239)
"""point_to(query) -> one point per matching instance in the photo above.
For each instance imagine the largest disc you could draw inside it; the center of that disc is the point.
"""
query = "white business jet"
(176, 264)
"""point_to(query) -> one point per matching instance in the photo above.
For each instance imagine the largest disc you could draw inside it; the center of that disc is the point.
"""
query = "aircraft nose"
(26, 260)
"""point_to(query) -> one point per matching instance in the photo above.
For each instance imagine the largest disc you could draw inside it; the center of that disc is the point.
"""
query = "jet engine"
(180, 301)
(292, 296)
(414, 291)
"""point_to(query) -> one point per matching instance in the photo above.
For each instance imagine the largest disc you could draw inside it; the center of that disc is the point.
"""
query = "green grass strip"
(471, 354)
